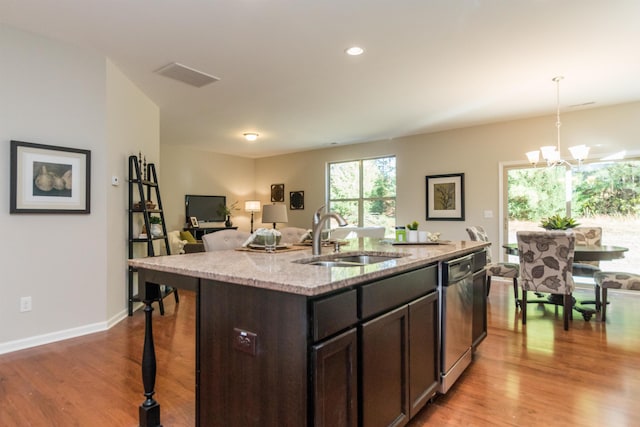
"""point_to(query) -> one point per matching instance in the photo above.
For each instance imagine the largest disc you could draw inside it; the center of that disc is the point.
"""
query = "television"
(205, 208)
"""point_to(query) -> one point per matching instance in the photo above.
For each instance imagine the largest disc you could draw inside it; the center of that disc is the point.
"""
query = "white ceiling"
(429, 65)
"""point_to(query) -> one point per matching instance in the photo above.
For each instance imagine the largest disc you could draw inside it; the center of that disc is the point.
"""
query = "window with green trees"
(602, 194)
(364, 192)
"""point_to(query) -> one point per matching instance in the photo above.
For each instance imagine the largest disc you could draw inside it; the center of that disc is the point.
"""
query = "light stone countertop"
(277, 271)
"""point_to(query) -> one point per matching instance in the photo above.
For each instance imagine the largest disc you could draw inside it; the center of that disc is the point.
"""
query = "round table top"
(584, 253)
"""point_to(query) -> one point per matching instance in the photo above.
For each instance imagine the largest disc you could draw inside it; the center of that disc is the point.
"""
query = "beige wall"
(187, 171)
(133, 126)
(475, 151)
(52, 94)
(73, 266)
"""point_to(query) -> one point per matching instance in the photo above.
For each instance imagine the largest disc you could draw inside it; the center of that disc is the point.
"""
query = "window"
(364, 192)
(598, 194)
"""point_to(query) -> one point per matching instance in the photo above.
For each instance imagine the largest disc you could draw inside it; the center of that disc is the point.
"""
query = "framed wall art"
(277, 192)
(49, 179)
(296, 200)
(445, 197)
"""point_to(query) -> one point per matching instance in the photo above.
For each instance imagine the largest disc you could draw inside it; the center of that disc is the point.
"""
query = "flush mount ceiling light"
(551, 153)
(250, 136)
(354, 51)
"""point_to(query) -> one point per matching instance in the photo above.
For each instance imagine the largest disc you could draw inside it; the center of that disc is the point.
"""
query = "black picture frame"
(445, 197)
(49, 179)
(296, 200)
(277, 192)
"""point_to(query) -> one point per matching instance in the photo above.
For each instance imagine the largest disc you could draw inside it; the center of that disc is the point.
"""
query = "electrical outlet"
(25, 304)
(245, 341)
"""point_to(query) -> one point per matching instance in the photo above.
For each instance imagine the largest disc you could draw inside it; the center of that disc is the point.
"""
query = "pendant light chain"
(558, 123)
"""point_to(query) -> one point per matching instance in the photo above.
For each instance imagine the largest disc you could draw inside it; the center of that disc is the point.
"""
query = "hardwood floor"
(533, 376)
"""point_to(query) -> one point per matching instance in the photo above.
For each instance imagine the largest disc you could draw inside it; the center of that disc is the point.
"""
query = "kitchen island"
(280, 342)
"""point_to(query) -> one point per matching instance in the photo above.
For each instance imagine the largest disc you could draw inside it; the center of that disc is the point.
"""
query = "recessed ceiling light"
(354, 51)
(250, 136)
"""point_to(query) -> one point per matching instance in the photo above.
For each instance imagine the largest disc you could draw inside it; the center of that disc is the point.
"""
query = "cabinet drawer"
(334, 314)
(388, 293)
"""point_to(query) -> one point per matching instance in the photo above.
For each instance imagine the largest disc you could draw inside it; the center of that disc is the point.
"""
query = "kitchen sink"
(349, 259)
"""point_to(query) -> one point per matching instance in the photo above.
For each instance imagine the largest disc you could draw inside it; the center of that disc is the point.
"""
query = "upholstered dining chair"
(224, 239)
(292, 234)
(586, 236)
(615, 280)
(546, 261)
(508, 270)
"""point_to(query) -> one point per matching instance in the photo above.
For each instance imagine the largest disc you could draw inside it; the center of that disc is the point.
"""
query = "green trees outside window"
(364, 192)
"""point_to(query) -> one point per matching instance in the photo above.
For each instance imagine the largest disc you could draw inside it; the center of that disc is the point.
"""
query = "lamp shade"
(252, 206)
(274, 214)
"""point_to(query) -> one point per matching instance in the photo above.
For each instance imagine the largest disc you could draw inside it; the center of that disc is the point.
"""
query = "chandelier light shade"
(274, 214)
(252, 206)
(551, 153)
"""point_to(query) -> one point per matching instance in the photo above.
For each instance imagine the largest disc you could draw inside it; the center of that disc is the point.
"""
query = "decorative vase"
(156, 230)
(412, 236)
(228, 222)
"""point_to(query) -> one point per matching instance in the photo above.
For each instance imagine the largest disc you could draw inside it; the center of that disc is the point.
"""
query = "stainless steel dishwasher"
(456, 319)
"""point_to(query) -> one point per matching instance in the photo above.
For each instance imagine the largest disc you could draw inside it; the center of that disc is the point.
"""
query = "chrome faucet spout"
(318, 222)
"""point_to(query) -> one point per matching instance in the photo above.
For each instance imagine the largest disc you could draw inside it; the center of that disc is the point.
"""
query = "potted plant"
(557, 222)
(227, 212)
(412, 233)
(156, 226)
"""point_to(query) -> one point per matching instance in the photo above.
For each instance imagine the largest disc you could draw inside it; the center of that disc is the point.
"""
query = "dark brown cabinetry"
(363, 356)
(423, 351)
(385, 369)
(335, 381)
(400, 350)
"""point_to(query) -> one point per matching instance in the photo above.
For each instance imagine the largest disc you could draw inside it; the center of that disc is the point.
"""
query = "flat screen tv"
(205, 208)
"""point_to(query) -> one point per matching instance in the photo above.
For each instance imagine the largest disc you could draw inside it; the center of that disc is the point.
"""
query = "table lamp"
(274, 213)
(252, 206)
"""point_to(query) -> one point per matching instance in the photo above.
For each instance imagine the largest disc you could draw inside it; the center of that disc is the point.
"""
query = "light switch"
(488, 214)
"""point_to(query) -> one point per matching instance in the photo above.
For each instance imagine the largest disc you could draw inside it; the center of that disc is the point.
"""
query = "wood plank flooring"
(533, 376)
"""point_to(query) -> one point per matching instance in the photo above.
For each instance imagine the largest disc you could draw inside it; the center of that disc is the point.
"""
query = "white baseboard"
(52, 337)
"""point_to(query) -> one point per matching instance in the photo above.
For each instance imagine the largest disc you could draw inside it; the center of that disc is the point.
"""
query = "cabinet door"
(479, 330)
(385, 388)
(336, 381)
(424, 365)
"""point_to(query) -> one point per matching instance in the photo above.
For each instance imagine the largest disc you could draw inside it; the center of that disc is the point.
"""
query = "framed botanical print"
(445, 197)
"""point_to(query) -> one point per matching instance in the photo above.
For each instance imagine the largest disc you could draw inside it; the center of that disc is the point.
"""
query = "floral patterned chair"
(588, 236)
(615, 280)
(500, 269)
(546, 261)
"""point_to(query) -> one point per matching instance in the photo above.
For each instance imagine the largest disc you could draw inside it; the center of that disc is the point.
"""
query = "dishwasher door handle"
(459, 269)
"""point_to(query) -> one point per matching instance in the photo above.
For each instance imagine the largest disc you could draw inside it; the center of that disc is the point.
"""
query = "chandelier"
(551, 153)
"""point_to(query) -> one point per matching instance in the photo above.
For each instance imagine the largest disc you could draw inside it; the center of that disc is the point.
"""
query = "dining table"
(583, 252)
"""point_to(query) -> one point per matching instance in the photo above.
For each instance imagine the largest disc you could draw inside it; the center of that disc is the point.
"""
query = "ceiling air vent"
(187, 75)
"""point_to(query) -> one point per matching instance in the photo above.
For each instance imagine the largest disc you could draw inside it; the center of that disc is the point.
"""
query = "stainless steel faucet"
(318, 222)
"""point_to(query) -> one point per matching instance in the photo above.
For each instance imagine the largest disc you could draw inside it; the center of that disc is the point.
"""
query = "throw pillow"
(186, 235)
